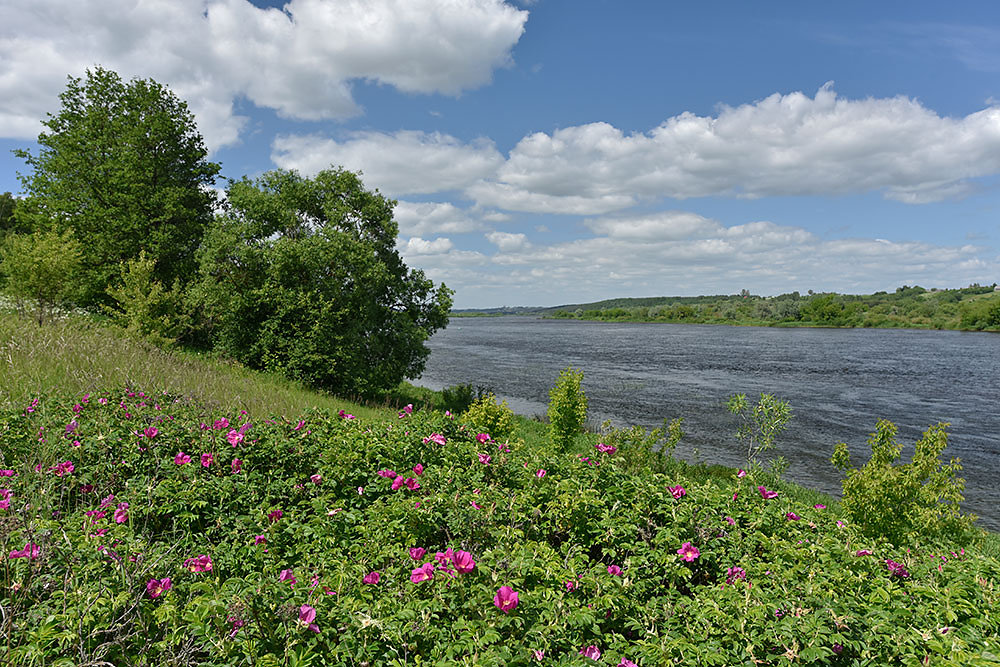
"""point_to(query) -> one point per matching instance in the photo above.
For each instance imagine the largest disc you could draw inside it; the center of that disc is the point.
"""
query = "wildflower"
(406, 412)
(234, 438)
(436, 438)
(121, 516)
(64, 468)
(236, 465)
(688, 552)
(605, 449)
(30, 551)
(418, 469)
(306, 617)
(201, 563)
(275, 515)
(157, 587)
(289, 576)
(206, 460)
(423, 573)
(591, 652)
(896, 569)
(259, 539)
(614, 570)
(71, 427)
(463, 562)
(734, 574)
(741, 473)
(625, 662)
(503, 447)
(7, 473)
(792, 516)
(298, 427)
(862, 552)
(765, 494)
(483, 438)
(411, 483)
(485, 459)
(371, 578)
(398, 482)
(444, 556)
(838, 648)
(385, 472)
(538, 653)
(570, 585)
(540, 473)
(220, 424)
(416, 553)
(819, 507)
(182, 458)
(677, 492)
(237, 624)
(730, 521)
(506, 599)
(77, 443)
(316, 479)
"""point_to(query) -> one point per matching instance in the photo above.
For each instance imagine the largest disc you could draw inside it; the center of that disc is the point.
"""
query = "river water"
(839, 383)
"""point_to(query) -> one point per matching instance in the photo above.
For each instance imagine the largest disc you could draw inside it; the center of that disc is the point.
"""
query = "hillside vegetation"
(969, 308)
(157, 524)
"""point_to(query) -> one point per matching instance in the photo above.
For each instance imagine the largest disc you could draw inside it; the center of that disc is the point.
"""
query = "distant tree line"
(976, 307)
(283, 273)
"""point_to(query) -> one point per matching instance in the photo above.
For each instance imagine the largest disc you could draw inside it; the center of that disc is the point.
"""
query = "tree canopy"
(301, 276)
(122, 165)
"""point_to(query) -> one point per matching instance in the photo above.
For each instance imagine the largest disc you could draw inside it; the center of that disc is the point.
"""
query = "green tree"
(567, 408)
(760, 424)
(41, 270)
(301, 276)
(144, 308)
(123, 165)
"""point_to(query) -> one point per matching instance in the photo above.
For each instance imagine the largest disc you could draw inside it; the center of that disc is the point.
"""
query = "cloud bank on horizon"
(792, 189)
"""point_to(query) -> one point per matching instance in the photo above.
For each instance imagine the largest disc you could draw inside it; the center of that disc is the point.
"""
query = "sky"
(566, 151)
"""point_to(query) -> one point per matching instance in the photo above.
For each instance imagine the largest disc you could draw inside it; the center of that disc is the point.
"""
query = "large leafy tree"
(122, 165)
(301, 276)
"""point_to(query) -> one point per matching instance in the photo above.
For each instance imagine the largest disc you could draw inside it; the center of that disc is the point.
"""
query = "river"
(839, 383)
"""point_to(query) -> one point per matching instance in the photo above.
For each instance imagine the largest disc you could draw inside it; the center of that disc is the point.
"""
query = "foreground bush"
(136, 532)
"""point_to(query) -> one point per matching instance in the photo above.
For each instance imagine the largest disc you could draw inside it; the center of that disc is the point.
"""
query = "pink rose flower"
(182, 459)
(506, 599)
(688, 552)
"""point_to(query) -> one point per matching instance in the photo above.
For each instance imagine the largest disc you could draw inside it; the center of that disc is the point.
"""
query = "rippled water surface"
(839, 383)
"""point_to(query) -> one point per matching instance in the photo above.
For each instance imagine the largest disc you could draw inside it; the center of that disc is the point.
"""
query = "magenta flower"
(201, 563)
(688, 552)
(614, 570)
(220, 424)
(765, 494)
(206, 460)
(540, 473)
(605, 449)
(416, 553)
(411, 483)
(677, 492)
(275, 515)
(436, 438)
(259, 539)
(398, 482)
(741, 473)
(463, 562)
(862, 552)
(485, 459)
(570, 585)
(591, 652)
(182, 458)
(371, 578)
(289, 576)
(625, 662)
(388, 474)
(150, 432)
(64, 468)
(819, 507)
(72, 426)
(306, 617)
(316, 479)
(735, 573)
(121, 516)
(236, 466)
(792, 516)
(506, 599)
(30, 551)
(423, 573)
(157, 587)
(418, 469)
(896, 569)
(234, 438)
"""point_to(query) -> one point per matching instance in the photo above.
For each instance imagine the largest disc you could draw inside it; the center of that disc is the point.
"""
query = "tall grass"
(75, 355)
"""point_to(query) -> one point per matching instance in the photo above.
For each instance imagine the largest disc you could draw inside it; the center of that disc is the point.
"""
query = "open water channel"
(839, 383)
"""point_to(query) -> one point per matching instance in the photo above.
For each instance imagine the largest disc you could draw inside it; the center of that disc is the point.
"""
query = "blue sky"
(560, 151)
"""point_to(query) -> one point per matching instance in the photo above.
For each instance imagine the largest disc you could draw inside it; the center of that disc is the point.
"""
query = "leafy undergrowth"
(136, 531)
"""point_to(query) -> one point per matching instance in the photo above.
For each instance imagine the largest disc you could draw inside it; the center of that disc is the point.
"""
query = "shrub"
(567, 408)
(642, 449)
(760, 423)
(893, 500)
(145, 309)
(492, 417)
(41, 267)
